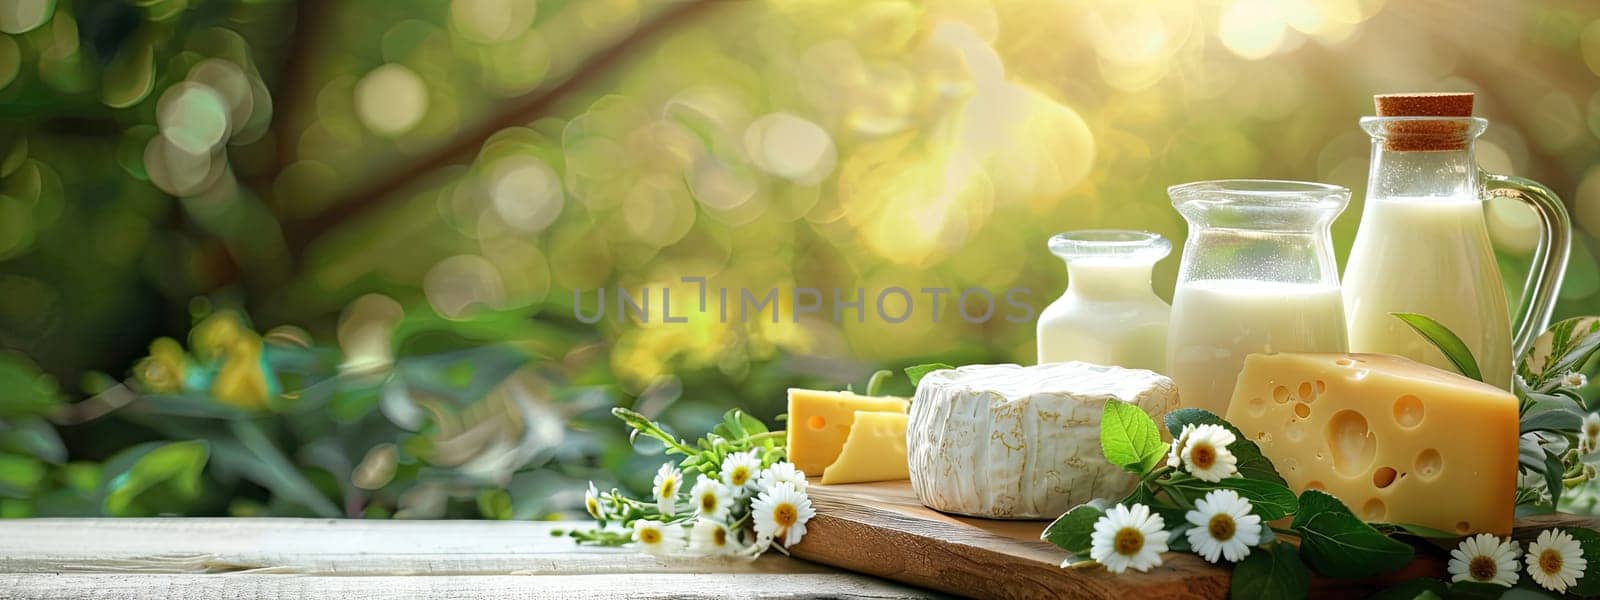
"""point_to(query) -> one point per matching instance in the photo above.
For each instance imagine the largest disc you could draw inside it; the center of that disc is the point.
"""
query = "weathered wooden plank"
(652, 585)
(342, 547)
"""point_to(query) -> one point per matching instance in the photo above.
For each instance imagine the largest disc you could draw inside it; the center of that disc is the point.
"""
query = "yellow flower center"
(785, 515)
(1221, 527)
(1482, 568)
(1550, 562)
(739, 476)
(1202, 456)
(669, 486)
(593, 506)
(708, 502)
(1593, 430)
(650, 536)
(1128, 541)
(719, 536)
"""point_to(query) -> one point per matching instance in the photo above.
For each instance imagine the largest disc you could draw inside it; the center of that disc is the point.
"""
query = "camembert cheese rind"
(1011, 442)
(819, 423)
(1396, 440)
(874, 451)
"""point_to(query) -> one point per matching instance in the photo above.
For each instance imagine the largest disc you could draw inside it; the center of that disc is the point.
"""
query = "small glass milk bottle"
(1109, 315)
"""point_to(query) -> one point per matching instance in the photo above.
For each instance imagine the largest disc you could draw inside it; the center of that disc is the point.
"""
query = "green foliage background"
(394, 202)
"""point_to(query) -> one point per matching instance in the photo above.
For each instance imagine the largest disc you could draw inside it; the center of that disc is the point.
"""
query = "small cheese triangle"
(820, 421)
(874, 451)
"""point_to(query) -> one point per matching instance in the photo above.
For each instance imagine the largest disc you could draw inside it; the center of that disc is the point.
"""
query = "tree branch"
(513, 112)
(310, 17)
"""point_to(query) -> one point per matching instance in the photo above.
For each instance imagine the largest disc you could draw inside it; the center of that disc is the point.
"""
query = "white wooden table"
(326, 558)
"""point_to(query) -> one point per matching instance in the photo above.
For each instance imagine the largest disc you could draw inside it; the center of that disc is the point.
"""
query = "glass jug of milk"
(1109, 315)
(1258, 275)
(1423, 246)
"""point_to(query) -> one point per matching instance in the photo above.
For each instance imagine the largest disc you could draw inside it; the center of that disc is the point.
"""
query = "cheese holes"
(1463, 527)
(1351, 443)
(1302, 409)
(1344, 362)
(1383, 477)
(1408, 411)
(1296, 429)
(1429, 464)
(1316, 485)
(1258, 406)
(1374, 510)
(817, 422)
(1280, 394)
(1322, 387)
(1305, 391)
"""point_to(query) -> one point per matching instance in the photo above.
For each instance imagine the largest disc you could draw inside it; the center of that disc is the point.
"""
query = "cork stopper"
(1423, 135)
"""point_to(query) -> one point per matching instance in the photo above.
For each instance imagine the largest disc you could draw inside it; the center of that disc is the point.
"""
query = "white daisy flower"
(1206, 453)
(1484, 558)
(1175, 455)
(1223, 526)
(711, 499)
(782, 472)
(668, 482)
(591, 502)
(739, 469)
(1574, 379)
(711, 538)
(656, 537)
(781, 514)
(1128, 538)
(1555, 560)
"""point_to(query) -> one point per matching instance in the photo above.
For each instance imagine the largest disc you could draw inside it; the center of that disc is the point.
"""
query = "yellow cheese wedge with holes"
(875, 450)
(819, 423)
(1396, 440)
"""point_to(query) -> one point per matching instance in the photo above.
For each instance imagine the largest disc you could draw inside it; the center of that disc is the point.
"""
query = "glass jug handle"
(1549, 257)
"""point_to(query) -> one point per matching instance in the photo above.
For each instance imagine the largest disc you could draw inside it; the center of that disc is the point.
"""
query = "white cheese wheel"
(1012, 442)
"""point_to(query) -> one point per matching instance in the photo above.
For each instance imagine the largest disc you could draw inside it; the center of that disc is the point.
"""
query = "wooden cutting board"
(881, 529)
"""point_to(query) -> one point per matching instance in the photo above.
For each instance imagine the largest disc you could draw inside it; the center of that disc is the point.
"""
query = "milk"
(1428, 255)
(1217, 322)
(1108, 316)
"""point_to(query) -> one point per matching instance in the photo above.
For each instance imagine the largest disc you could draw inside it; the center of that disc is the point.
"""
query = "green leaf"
(1129, 438)
(1572, 342)
(915, 373)
(1337, 544)
(259, 460)
(875, 383)
(1413, 589)
(1475, 590)
(1252, 464)
(32, 436)
(1445, 340)
(23, 389)
(1552, 474)
(1271, 573)
(1271, 501)
(20, 476)
(1071, 531)
(1558, 420)
(494, 504)
(144, 468)
(1589, 540)
(1416, 531)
